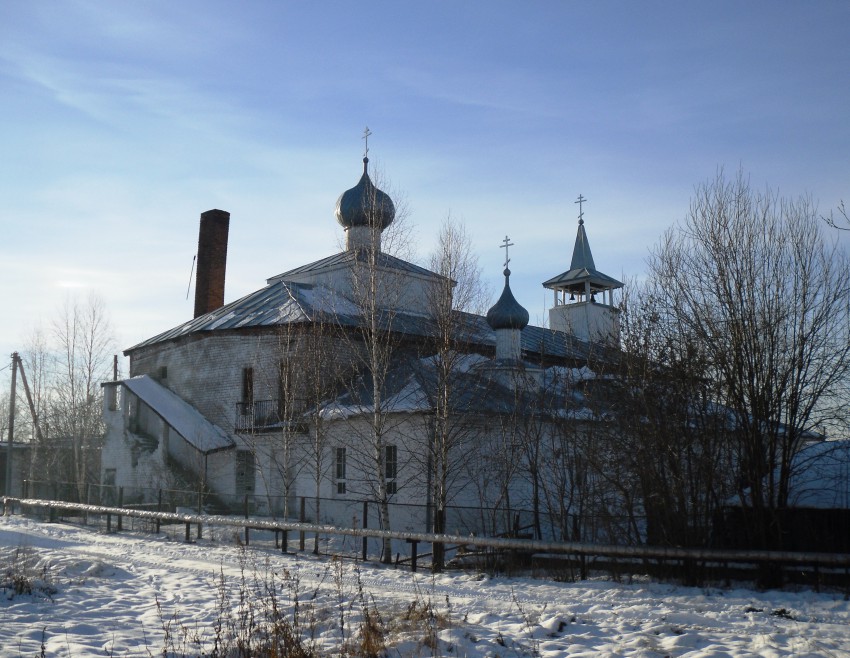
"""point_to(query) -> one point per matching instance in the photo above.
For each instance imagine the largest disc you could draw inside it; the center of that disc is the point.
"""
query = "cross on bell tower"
(581, 200)
(584, 296)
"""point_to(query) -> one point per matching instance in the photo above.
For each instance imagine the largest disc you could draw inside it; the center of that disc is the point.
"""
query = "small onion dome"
(365, 205)
(507, 313)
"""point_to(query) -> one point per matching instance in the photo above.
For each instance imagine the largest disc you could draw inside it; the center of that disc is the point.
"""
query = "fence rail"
(528, 546)
(458, 519)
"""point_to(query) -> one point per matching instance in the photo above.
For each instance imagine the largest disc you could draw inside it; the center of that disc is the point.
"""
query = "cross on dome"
(366, 134)
(505, 244)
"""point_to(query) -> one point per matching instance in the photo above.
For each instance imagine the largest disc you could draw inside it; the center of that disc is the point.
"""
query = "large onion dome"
(365, 205)
(507, 313)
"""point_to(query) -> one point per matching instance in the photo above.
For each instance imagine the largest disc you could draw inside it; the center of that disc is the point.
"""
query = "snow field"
(142, 595)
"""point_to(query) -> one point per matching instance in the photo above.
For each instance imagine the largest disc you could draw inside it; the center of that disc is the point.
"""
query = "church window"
(340, 470)
(391, 467)
(248, 386)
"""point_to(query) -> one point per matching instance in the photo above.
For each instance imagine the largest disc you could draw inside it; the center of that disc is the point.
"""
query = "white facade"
(587, 321)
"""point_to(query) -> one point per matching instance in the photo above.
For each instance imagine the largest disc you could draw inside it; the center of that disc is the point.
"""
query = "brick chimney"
(212, 261)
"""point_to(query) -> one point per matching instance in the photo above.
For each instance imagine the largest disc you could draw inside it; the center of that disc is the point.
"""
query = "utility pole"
(38, 435)
(11, 425)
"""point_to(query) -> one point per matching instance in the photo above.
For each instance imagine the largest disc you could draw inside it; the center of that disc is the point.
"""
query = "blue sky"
(121, 122)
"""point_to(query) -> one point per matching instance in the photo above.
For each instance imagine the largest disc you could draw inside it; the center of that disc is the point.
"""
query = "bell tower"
(583, 296)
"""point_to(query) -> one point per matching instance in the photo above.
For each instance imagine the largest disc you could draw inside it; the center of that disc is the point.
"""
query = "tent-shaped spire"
(584, 296)
(582, 278)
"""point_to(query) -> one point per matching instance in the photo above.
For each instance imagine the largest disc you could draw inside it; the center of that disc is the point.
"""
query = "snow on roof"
(821, 476)
(187, 421)
(412, 387)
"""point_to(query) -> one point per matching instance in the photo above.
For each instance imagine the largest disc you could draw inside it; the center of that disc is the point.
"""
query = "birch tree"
(454, 397)
(376, 342)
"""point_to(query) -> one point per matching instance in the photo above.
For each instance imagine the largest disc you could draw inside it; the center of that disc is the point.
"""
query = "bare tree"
(674, 438)
(36, 359)
(4, 414)
(84, 347)
(749, 278)
(840, 222)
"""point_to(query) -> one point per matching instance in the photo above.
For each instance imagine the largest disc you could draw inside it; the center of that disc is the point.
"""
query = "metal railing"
(257, 415)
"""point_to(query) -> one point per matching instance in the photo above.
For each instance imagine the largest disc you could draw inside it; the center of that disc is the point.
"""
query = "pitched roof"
(284, 302)
(345, 259)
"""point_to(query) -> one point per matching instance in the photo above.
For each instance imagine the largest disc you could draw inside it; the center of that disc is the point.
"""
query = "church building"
(342, 380)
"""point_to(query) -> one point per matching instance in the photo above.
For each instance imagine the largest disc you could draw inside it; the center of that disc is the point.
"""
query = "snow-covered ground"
(140, 595)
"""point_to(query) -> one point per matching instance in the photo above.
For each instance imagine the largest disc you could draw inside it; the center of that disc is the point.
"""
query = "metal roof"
(187, 421)
(582, 269)
(283, 302)
(415, 385)
(365, 205)
(345, 259)
(507, 313)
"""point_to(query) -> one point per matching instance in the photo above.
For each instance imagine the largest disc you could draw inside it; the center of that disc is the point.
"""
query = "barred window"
(340, 470)
(391, 468)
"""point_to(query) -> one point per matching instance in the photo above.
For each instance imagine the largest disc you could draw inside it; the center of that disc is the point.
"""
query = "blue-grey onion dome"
(507, 313)
(365, 205)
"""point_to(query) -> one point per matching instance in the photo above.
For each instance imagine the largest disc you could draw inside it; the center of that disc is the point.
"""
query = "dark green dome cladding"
(365, 205)
(507, 313)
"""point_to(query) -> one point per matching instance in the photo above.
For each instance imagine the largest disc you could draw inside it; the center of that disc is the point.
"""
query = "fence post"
(187, 532)
(414, 543)
(88, 502)
(108, 522)
(200, 500)
(246, 506)
(26, 488)
(247, 536)
(158, 509)
(120, 504)
(438, 548)
(302, 517)
(365, 525)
